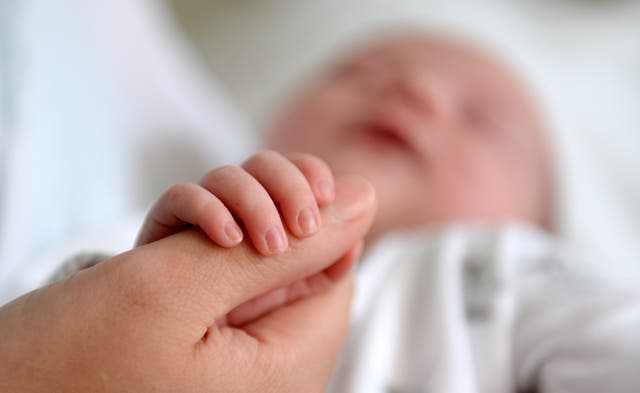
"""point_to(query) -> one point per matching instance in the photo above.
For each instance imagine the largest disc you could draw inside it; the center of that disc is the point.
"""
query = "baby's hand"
(267, 187)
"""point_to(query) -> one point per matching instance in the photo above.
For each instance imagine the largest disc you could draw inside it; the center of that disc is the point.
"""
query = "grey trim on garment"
(76, 263)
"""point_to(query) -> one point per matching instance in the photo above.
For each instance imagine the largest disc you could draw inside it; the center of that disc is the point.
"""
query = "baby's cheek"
(451, 190)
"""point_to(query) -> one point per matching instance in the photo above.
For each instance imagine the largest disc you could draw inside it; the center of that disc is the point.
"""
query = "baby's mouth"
(387, 131)
(385, 136)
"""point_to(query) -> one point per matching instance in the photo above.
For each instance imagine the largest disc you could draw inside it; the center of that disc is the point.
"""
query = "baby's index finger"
(318, 175)
(186, 204)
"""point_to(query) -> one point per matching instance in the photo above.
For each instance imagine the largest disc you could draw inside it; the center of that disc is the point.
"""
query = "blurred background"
(103, 105)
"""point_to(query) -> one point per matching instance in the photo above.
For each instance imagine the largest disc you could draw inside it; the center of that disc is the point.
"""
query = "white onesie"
(474, 309)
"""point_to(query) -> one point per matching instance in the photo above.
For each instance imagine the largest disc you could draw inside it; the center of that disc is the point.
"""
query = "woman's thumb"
(304, 338)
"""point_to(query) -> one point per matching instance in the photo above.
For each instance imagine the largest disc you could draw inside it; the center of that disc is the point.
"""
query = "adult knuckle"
(145, 288)
(141, 293)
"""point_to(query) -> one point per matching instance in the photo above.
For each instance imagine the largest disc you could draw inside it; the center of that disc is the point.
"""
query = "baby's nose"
(427, 92)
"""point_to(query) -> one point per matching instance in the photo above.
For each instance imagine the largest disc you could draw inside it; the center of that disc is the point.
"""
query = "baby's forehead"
(468, 67)
(475, 71)
(412, 48)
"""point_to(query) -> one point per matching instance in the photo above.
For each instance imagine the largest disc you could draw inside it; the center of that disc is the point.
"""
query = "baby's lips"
(354, 197)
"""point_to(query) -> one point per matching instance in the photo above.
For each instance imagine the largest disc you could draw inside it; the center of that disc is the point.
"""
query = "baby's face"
(442, 132)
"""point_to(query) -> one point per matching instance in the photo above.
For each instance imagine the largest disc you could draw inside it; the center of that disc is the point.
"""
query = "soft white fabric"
(103, 110)
(475, 309)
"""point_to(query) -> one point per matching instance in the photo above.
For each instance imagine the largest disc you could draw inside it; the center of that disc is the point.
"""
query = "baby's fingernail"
(307, 221)
(354, 196)
(233, 232)
(275, 240)
(325, 190)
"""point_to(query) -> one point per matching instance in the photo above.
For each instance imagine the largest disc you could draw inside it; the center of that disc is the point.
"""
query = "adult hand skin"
(149, 319)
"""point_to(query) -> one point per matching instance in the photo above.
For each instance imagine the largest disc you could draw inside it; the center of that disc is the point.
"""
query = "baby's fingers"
(189, 204)
(289, 188)
(248, 200)
(318, 175)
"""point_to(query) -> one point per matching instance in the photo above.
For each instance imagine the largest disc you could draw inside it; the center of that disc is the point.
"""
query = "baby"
(445, 134)
(442, 131)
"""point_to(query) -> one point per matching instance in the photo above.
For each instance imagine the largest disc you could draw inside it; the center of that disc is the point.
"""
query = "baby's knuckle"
(258, 205)
(176, 192)
(223, 172)
(299, 194)
(211, 209)
(311, 165)
(308, 158)
(300, 156)
(320, 164)
(264, 156)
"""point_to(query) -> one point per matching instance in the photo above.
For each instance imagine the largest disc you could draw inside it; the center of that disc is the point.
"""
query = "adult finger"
(309, 286)
(309, 332)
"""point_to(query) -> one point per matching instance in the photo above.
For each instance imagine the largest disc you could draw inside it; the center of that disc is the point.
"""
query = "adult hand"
(149, 319)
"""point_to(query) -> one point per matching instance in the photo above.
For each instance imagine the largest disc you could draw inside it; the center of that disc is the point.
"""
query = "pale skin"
(442, 132)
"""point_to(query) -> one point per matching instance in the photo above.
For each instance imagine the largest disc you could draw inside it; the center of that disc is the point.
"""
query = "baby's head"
(442, 130)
